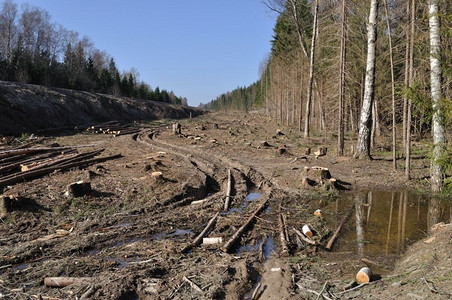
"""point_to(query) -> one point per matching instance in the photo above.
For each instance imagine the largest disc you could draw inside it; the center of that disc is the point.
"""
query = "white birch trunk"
(365, 124)
(311, 72)
(435, 77)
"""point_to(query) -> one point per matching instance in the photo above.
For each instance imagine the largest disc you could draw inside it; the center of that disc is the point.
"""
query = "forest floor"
(126, 237)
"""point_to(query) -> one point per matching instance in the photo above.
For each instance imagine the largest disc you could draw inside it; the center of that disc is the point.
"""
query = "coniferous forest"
(319, 77)
(34, 50)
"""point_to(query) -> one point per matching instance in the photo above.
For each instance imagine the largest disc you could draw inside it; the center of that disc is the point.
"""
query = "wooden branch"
(228, 192)
(192, 284)
(338, 229)
(282, 236)
(305, 238)
(65, 281)
(228, 246)
(203, 233)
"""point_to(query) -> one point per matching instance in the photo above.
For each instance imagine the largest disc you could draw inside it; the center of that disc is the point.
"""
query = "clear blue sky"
(197, 48)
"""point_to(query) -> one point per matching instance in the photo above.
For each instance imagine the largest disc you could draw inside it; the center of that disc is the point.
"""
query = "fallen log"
(330, 243)
(233, 240)
(282, 236)
(306, 231)
(14, 152)
(364, 275)
(192, 284)
(65, 281)
(305, 238)
(39, 172)
(228, 191)
(203, 233)
(212, 240)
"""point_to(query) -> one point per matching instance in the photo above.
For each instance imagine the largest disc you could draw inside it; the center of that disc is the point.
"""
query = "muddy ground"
(127, 236)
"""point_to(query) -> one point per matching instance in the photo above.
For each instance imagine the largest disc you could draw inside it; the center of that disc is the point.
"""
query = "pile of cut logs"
(20, 164)
(113, 127)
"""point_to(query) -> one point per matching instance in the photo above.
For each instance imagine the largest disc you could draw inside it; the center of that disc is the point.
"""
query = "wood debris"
(17, 165)
(113, 127)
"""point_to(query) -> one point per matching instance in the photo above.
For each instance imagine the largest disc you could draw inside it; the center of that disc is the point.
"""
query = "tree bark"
(311, 72)
(435, 78)
(410, 84)
(363, 146)
(391, 60)
(340, 135)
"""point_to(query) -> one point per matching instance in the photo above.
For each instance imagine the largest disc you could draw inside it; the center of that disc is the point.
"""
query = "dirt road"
(133, 236)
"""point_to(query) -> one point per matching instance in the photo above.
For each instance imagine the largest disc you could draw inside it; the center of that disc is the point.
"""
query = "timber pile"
(115, 128)
(20, 164)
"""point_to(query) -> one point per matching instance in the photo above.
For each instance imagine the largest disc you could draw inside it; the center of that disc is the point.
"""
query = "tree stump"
(78, 189)
(321, 151)
(177, 128)
(6, 204)
(281, 151)
(315, 176)
(157, 176)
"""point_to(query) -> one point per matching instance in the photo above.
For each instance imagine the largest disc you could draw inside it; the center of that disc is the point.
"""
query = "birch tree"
(363, 147)
(436, 91)
(311, 72)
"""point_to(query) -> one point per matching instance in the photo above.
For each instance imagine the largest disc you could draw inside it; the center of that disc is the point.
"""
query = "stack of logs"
(115, 128)
(20, 164)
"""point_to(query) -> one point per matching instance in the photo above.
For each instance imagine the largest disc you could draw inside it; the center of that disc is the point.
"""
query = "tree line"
(362, 70)
(34, 50)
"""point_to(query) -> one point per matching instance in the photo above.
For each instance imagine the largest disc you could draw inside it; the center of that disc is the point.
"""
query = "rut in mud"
(134, 236)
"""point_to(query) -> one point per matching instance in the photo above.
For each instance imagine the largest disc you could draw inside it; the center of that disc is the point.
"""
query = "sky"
(197, 48)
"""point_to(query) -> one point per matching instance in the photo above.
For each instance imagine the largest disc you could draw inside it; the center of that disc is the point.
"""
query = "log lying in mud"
(283, 236)
(228, 192)
(203, 233)
(233, 240)
(364, 275)
(330, 243)
(305, 238)
(65, 281)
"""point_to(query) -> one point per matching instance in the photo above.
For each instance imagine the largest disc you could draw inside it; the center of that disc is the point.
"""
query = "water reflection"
(385, 222)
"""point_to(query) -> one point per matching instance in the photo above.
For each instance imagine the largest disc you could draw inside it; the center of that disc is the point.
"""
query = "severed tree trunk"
(340, 135)
(435, 78)
(311, 72)
(391, 60)
(363, 146)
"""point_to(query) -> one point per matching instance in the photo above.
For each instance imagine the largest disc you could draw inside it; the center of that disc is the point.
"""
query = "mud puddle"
(252, 196)
(384, 223)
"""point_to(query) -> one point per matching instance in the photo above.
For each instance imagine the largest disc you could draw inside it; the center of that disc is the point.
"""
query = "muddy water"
(384, 222)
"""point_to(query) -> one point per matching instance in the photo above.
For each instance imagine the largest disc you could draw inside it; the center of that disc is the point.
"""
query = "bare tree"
(391, 59)
(410, 84)
(311, 72)
(363, 147)
(436, 90)
(340, 136)
(8, 28)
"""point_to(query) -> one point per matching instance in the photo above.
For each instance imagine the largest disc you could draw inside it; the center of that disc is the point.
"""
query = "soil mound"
(29, 108)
